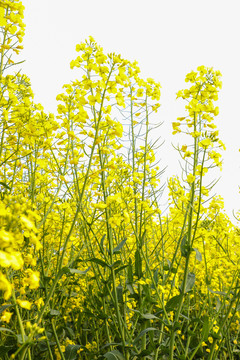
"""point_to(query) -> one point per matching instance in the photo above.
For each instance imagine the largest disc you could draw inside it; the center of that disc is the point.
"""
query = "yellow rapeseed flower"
(25, 304)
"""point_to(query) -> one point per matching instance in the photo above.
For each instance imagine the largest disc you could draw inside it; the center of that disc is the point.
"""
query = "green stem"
(23, 335)
(189, 241)
(26, 344)
(57, 340)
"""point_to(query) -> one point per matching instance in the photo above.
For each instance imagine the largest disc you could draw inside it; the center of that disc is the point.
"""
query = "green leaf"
(218, 305)
(110, 356)
(138, 264)
(80, 272)
(115, 264)
(184, 246)
(69, 271)
(173, 302)
(142, 238)
(208, 280)
(5, 329)
(149, 316)
(130, 289)
(155, 276)
(217, 292)
(114, 355)
(53, 312)
(70, 332)
(130, 272)
(102, 240)
(144, 332)
(190, 281)
(5, 185)
(117, 249)
(120, 268)
(107, 345)
(119, 290)
(20, 339)
(71, 352)
(198, 254)
(99, 262)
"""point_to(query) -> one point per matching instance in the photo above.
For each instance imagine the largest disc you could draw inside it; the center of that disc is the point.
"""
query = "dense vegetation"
(90, 268)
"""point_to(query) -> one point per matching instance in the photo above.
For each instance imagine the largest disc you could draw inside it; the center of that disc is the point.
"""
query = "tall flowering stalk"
(199, 157)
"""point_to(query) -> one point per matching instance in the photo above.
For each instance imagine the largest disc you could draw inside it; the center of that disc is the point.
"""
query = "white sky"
(168, 38)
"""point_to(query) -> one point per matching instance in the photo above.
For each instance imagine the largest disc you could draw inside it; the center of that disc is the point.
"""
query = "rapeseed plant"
(90, 268)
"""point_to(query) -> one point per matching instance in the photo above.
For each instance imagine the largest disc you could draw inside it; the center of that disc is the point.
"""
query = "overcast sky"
(168, 38)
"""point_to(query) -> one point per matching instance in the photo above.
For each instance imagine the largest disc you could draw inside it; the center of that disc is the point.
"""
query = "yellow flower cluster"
(201, 111)
(13, 29)
(15, 230)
